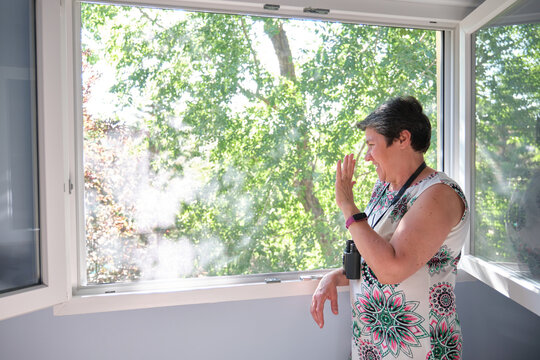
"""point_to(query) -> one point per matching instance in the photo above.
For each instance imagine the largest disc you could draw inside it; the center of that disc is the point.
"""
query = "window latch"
(317, 11)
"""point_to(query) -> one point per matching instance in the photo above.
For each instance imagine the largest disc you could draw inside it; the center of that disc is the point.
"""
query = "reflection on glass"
(507, 226)
(210, 141)
(19, 233)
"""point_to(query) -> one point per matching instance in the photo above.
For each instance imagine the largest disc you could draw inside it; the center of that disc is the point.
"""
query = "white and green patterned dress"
(416, 318)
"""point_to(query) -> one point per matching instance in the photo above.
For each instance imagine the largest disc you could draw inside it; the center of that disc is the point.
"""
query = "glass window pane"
(210, 140)
(19, 229)
(507, 184)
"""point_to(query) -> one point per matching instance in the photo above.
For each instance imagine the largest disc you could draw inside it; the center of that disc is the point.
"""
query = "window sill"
(84, 302)
(90, 301)
(523, 291)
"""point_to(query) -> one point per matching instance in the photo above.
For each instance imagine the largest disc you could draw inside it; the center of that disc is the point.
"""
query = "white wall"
(256, 330)
(494, 327)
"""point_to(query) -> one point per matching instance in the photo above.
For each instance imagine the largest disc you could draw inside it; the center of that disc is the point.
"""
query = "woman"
(403, 305)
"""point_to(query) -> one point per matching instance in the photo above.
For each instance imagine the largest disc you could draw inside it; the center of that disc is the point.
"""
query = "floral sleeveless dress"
(416, 318)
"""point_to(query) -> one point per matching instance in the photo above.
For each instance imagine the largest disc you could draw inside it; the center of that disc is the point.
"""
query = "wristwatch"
(354, 218)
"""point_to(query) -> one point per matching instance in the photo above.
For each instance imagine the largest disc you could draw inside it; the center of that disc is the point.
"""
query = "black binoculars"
(351, 261)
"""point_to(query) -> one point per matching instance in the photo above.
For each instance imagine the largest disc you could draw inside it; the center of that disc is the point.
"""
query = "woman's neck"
(404, 171)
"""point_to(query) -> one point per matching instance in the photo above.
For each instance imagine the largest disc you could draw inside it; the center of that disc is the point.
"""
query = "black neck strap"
(399, 194)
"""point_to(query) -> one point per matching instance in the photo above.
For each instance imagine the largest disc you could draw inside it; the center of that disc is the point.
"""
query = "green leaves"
(255, 112)
(507, 113)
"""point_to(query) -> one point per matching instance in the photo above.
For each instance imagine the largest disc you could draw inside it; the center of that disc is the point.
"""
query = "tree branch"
(253, 53)
(145, 15)
(257, 95)
(427, 69)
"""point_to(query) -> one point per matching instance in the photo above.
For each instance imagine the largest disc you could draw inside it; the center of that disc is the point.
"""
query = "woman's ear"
(404, 138)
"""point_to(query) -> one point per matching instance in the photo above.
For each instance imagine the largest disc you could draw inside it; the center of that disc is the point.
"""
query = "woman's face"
(379, 153)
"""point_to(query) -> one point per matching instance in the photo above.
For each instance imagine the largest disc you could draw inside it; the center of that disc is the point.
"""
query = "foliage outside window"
(210, 140)
(507, 181)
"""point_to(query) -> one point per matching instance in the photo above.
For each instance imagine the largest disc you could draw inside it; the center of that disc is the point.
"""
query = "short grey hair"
(396, 115)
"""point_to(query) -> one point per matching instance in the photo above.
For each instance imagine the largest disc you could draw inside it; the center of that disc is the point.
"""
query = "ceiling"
(416, 13)
(428, 14)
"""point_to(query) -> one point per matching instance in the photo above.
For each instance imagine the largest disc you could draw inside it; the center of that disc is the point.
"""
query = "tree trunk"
(274, 29)
(283, 51)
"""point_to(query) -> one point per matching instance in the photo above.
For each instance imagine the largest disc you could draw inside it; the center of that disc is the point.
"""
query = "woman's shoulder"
(439, 177)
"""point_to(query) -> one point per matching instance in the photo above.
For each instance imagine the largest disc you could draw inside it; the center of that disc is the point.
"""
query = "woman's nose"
(368, 156)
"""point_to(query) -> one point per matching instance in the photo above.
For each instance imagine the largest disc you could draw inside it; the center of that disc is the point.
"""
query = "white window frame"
(57, 96)
(52, 170)
(463, 163)
(168, 293)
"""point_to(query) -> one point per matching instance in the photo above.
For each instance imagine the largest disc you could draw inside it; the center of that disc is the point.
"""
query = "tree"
(263, 144)
(507, 125)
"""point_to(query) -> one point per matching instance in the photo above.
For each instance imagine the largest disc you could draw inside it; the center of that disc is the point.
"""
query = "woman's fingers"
(326, 290)
(334, 305)
(317, 309)
(352, 165)
(349, 164)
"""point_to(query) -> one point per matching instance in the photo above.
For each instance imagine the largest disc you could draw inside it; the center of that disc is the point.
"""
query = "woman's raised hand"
(344, 185)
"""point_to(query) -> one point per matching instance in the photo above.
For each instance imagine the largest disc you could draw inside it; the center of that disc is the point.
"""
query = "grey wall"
(494, 328)
(256, 330)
